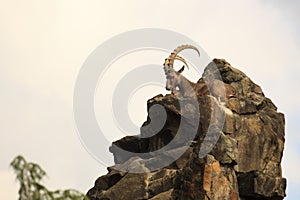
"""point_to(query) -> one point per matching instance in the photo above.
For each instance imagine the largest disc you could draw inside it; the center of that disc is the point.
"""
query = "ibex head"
(174, 78)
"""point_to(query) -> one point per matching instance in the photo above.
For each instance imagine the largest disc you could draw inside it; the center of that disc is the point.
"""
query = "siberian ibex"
(174, 78)
(180, 85)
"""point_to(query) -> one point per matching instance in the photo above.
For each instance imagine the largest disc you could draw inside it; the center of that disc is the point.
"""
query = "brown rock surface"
(243, 161)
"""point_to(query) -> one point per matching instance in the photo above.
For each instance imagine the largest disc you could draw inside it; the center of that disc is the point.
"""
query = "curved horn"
(170, 60)
(182, 60)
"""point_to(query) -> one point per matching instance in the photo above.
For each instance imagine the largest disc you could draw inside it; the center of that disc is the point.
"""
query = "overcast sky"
(44, 43)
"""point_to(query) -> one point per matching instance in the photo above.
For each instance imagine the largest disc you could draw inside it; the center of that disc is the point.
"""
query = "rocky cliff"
(235, 153)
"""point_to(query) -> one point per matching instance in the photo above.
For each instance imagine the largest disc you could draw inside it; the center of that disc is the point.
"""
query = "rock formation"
(243, 161)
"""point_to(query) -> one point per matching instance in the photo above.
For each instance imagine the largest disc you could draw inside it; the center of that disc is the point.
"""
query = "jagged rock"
(164, 195)
(242, 160)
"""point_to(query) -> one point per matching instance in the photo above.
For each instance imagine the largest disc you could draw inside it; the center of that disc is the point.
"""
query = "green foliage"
(30, 175)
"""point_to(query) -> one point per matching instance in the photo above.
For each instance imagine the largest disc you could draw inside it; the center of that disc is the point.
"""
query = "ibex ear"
(181, 70)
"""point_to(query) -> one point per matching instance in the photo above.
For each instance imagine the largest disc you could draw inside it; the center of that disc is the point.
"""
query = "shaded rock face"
(244, 161)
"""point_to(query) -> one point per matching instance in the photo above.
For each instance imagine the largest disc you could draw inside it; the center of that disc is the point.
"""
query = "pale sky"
(44, 43)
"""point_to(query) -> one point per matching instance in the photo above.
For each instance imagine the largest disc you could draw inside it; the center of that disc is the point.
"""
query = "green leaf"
(29, 176)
